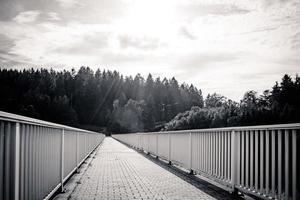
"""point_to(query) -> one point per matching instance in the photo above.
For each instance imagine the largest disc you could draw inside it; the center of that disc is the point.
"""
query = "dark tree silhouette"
(101, 100)
(280, 105)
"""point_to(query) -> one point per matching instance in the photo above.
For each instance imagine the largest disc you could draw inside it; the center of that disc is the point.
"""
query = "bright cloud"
(68, 3)
(53, 16)
(27, 16)
(224, 46)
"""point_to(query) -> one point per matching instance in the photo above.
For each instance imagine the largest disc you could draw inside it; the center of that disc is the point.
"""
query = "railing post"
(190, 153)
(62, 160)
(16, 139)
(169, 148)
(234, 164)
(156, 145)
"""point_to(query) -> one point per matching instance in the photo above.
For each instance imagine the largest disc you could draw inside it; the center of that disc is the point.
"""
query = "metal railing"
(37, 157)
(257, 160)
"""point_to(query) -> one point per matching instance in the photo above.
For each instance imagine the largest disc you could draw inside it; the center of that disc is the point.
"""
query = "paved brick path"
(118, 172)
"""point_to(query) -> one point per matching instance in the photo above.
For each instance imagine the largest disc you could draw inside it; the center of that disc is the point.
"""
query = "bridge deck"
(118, 172)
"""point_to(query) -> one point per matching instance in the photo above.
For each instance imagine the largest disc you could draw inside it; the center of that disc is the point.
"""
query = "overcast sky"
(223, 46)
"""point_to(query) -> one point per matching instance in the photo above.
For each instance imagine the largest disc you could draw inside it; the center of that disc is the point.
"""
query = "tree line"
(108, 101)
(101, 100)
(281, 104)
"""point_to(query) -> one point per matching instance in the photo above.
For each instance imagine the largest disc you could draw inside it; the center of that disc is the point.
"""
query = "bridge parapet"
(256, 160)
(37, 157)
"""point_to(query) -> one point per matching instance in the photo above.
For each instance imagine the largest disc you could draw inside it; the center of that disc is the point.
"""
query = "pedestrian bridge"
(39, 159)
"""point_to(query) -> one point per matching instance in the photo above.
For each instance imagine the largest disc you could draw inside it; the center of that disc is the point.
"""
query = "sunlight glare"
(150, 18)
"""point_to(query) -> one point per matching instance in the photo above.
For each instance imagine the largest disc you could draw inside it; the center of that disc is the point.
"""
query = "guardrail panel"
(260, 160)
(32, 155)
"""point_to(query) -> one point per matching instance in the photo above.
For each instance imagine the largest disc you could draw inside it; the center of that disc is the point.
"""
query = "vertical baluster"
(294, 163)
(238, 148)
(226, 158)
(212, 151)
(247, 159)
(261, 149)
(7, 167)
(209, 152)
(238, 158)
(39, 163)
(202, 151)
(156, 144)
(215, 152)
(43, 153)
(34, 152)
(190, 153)
(221, 160)
(26, 176)
(31, 139)
(286, 161)
(251, 160)
(216, 157)
(2, 159)
(195, 151)
(22, 157)
(77, 151)
(62, 160)
(279, 163)
(243, 158)
(199, 160)
(206, 152)
(169, 147)
(256, 160)
(16, 166)
(215, 147)
(267, 158)
(233, 158)
(273, 143)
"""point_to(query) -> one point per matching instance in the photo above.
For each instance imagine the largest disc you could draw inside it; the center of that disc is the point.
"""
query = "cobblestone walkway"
(118, 172)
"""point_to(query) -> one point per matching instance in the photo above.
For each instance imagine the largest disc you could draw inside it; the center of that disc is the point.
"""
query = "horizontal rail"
(255, 160)
(37, 157)
(238, 128)
(5, 116)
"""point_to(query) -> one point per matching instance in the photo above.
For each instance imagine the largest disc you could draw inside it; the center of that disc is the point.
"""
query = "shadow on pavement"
(197, 182)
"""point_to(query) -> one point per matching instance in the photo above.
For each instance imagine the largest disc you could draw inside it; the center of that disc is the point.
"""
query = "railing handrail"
(5, 116)
(237, 128)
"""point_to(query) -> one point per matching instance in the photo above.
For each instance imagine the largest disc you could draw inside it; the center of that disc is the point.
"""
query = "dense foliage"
(107, 101)
(101, 100)
(280, 105)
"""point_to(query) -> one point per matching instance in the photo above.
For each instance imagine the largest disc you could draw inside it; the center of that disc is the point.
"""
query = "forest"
(109, 102)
